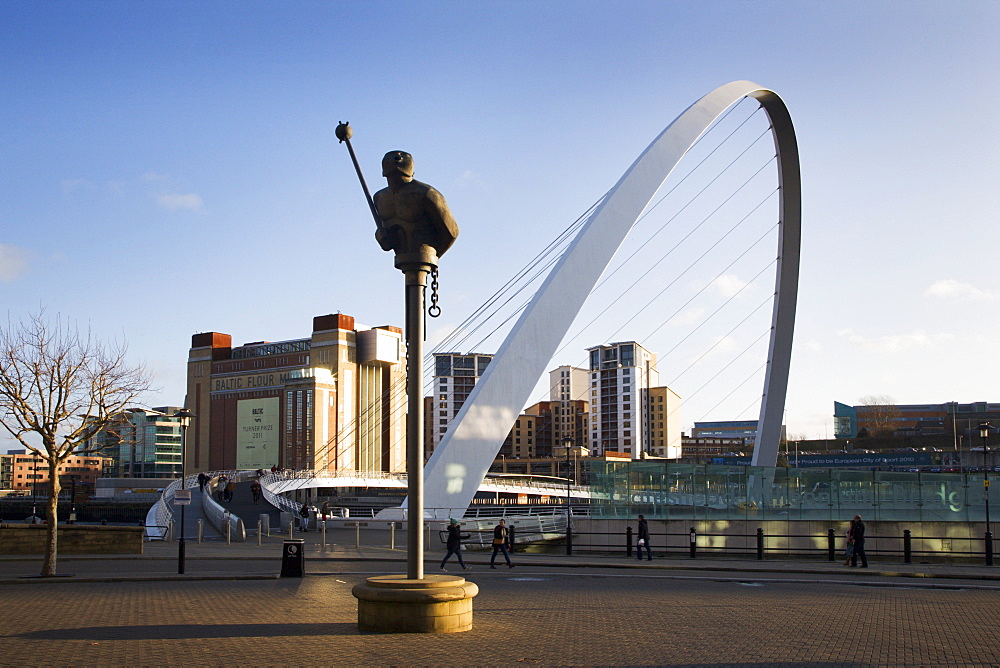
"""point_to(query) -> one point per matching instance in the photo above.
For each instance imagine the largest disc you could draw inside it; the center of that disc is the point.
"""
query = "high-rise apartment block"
(620, 377)
(663, 416)
(454, 377)
(616, 406)
(569, 391)
(335, 400)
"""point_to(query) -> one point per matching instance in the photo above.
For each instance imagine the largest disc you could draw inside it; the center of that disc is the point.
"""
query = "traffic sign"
(182, 497)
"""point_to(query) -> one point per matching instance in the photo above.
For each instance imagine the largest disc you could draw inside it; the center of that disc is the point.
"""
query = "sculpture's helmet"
(397, 161)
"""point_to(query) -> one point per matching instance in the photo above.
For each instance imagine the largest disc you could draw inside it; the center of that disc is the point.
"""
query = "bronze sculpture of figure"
(415, 221)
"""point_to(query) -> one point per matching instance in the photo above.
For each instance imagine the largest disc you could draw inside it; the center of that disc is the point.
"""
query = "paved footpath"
(229, 608)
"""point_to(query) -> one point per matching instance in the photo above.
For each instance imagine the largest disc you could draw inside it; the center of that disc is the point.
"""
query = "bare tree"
(58, 388)
(879, 413)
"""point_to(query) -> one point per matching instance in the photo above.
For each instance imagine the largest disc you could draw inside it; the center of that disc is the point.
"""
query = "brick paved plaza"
(532, 614)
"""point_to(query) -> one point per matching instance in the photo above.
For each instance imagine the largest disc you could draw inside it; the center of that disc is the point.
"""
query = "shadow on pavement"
(191, 631)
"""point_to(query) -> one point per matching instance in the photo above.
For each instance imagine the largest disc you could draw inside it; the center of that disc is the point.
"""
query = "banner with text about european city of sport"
(257, 433)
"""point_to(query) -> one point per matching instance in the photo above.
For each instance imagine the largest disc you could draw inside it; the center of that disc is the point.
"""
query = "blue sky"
(170, 167)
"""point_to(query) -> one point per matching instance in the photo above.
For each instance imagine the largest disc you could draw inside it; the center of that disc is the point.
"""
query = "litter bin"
(293, 558)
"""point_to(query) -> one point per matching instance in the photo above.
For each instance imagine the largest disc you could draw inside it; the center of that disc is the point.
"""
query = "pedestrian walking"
(304, 517)
(858, 539)
(455, 538)
(501, 542)
(256, 490)
(230, 488)
(325, 510)
(643, 540)
(202, 480)
(220, 488)
(849, 549)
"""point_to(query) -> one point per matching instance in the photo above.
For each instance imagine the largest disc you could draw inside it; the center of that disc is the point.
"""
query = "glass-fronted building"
(143, 443)
(661, 490)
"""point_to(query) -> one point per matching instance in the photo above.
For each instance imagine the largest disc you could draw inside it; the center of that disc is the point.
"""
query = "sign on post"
(182, 497)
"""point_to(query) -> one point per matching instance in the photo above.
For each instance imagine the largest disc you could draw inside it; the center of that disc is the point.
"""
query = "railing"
(278, 481)
(759, 545)
(226, 523)
(161, 515)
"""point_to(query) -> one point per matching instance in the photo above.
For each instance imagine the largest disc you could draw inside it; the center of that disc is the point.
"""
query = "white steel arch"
(459, 463)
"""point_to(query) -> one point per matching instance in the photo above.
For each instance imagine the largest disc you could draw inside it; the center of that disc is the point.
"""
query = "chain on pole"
(434, 310)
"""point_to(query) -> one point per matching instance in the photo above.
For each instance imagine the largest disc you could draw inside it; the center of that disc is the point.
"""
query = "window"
(628, 355)
(442, 365)
(443, 421)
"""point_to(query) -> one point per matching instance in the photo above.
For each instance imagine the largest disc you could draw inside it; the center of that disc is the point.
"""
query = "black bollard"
(511, 532)
(628, 541)
(989, 548)
(831, 545)
(694, 542)
(907, 547)
(760, 543)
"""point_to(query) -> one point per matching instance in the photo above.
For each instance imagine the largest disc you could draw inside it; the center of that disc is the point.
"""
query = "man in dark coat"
(455, 537)
(858, 540)
(643, 540)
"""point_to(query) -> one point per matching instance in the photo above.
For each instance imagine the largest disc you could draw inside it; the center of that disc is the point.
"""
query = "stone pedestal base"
(396, 604)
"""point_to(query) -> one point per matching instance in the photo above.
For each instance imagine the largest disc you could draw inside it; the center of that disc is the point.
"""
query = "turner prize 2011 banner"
(257, 433)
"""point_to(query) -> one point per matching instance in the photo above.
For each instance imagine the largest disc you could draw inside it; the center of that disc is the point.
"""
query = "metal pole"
(988, 538)
(181, 547)
(344, 133)
(416, 282)
(569, 511)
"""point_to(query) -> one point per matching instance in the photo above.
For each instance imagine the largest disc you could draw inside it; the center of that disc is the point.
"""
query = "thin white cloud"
(13, 262)
(894, 343)
(152, 177)
(728, 285)
(688, 317)
(952, 289)
(189, 201)
(470, 179)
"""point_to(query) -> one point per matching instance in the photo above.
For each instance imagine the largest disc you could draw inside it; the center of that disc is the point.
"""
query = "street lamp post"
(568, 443)
(984, 433)
(34, 488)
(184, 418)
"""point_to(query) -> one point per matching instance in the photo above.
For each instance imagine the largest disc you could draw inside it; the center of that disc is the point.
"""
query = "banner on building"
(257, 433)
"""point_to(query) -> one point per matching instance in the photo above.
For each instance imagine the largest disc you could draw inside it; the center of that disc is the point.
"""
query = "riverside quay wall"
(72, 539)
(948, 541)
